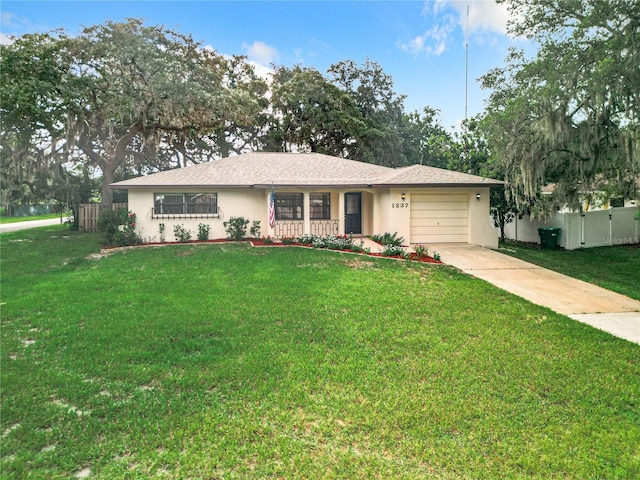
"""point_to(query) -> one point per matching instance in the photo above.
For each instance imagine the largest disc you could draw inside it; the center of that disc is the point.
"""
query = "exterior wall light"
(403, 196)
(477, 196)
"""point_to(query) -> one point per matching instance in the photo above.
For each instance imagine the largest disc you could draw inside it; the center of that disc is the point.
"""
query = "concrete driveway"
(582, 301)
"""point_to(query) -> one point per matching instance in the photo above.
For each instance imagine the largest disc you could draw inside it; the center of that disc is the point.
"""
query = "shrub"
(255, 229)
(236, 228)
(181, 233)
(422, 251)
(108, 224)
(288, 240)
(388, 239)
(203, 231)
(129, 236)
(333, 242)
(161, 229)
(267, 240)
(118, 228)
(305, 239)
(341, 243)
(320, 242)
(394, 251)
(436, 256)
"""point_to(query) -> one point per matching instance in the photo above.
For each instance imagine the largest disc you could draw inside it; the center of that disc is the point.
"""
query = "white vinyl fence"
(615, 226)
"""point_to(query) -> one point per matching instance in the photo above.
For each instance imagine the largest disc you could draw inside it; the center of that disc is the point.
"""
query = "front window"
(289, 206)
(185, 203)
(320, 206)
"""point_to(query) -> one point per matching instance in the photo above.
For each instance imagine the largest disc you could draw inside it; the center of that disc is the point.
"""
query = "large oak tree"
(379, 140)
(127, 95)
(32, 74)
(130, 99)
(571, 113)
(311, 114)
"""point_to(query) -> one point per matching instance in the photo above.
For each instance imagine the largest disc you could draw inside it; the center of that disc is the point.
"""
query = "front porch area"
(322, 213)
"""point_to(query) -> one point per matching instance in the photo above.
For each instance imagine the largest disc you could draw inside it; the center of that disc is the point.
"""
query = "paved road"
(582, 301)
(14, 227)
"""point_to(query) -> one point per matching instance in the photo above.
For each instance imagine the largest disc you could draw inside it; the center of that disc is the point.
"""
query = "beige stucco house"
(315, 194)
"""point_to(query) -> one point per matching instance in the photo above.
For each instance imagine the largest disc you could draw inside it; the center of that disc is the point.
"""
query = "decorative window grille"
(185, 204)
(289, 206)
(320, 206)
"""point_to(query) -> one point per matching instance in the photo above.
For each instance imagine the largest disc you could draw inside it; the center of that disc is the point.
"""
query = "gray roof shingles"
(432, 176)
(299, 169)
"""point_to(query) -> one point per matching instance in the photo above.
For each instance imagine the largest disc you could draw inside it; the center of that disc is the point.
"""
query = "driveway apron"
(582, 301)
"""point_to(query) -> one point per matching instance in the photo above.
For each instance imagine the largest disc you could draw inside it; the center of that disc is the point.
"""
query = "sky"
(419, 43)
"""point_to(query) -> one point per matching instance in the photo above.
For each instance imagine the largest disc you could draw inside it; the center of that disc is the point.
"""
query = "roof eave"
(115, 186)
(494, 183)
(313, 185)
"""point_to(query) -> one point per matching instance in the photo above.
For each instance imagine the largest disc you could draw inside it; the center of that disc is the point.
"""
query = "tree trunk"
(108, 174)
(112, 159)
(502, 219)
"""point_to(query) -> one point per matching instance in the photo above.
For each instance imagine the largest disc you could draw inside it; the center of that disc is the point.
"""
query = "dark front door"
(353, 213)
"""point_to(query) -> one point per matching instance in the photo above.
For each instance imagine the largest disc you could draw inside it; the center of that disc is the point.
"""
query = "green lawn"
(225, 361)
(614, 268)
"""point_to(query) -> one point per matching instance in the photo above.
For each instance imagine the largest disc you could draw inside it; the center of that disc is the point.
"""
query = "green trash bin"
(549, 237)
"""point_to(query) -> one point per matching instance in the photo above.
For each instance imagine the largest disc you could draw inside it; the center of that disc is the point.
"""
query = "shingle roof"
(298, 169)
(432, 176)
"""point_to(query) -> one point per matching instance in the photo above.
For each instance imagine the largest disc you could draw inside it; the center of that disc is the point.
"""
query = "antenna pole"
(466, 66)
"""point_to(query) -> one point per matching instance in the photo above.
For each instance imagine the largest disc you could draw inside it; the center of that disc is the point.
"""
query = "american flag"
(272, 208)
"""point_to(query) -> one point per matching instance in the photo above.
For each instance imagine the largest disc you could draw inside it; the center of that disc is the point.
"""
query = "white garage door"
(439, 218)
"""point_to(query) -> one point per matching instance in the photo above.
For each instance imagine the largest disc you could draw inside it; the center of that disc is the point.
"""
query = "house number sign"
(400, 205)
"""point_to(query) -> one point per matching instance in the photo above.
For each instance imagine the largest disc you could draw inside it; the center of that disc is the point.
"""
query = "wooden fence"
(90, 212)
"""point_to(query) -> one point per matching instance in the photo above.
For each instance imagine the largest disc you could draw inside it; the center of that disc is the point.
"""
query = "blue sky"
(421, 44)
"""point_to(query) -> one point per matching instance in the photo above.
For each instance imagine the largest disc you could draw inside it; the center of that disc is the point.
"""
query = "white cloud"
(433, 42)
(487, 20)
(13, 25)
(9, 20)
(5, 39)
(484, 15)
(261, 53)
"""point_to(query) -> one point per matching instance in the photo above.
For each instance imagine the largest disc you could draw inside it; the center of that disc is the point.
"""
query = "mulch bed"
(412, 256)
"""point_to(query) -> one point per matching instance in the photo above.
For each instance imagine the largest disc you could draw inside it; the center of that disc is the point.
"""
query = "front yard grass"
(225, 361)
(614, 268)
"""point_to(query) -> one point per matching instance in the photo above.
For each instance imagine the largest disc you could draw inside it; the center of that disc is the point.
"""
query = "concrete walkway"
(370, 244)
(582, 301)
